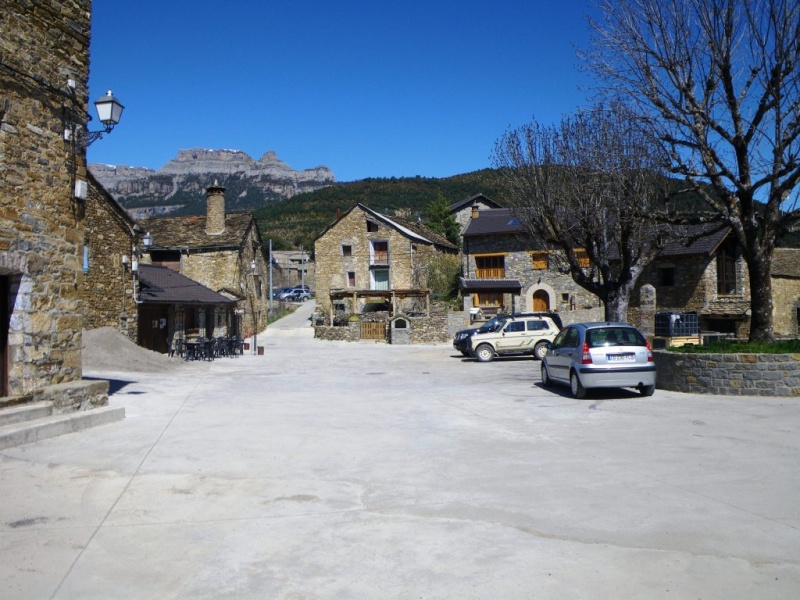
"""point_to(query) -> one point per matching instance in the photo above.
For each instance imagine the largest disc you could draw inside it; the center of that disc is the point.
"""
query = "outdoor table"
(194, 349)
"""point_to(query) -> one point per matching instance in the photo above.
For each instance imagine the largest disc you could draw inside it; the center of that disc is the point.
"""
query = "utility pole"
(270, 277)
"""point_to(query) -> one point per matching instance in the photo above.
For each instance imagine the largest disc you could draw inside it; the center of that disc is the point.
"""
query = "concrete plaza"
(335, 470)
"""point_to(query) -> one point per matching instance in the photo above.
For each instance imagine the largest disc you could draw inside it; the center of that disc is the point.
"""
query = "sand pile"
(105, 349)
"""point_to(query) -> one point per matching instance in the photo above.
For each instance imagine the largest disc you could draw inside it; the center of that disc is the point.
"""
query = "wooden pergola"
(381, 296)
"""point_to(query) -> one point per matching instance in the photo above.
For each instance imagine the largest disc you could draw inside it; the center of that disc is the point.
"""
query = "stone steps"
(23, 424)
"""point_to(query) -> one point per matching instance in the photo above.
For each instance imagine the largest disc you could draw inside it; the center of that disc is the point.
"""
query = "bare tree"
(589, 189)
(716, 83)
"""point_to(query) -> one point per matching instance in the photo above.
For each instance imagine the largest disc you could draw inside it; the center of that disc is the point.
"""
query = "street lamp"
(109, 111)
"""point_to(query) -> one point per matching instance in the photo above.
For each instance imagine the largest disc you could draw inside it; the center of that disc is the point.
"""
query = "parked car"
(295, 294)
(462, 338)
(600, 355)
(515, 335)
(298, 295)
(276, 293)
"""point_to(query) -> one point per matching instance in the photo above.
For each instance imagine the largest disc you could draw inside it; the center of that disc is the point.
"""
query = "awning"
(505, 286)
(161, 285)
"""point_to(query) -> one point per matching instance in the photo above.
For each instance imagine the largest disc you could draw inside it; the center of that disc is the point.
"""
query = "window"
(515, 326)
(347, 250)
(372, 226)
(539, 260)
(85, 258)
(490, 267)
(488, 299)
(583, 258)
(726, 271)
(538, 325)
(666, 276)
(351, 279)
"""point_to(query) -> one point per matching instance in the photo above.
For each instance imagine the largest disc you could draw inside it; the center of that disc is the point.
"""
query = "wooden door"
(153, 327)
(541, 301)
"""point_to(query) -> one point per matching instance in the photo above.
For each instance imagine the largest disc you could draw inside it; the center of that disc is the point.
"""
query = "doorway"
(5, 317)
(541, 301)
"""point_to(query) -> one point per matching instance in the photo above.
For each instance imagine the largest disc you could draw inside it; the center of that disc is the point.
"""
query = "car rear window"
(614, 336)
(538, 325)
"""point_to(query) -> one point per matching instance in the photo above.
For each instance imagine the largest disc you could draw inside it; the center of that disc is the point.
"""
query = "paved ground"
(334, 470)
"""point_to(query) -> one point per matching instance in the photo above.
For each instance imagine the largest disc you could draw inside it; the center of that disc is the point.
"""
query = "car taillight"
(649, 351)
(586, 359)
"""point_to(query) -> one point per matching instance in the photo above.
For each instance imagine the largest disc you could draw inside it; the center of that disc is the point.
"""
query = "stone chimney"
(475, 210)
(215, 209)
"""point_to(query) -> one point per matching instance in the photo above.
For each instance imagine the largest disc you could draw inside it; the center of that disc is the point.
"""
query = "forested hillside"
(295, 222)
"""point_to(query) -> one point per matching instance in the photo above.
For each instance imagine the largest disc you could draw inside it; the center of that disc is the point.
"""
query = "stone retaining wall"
(346, 333)
(729, 374)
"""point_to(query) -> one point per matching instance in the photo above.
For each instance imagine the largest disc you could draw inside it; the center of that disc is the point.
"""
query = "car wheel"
(305, 299)
(484, 353)
(575, 386)
(647, 390)
(546, 381)
(539, 350)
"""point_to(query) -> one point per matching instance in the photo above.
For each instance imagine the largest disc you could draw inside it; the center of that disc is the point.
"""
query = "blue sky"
(367, 88)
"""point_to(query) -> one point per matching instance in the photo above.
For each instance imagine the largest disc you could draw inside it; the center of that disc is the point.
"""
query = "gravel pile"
(105, 349)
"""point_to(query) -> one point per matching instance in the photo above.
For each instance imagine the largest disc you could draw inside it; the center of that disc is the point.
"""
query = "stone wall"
(346, 333)
(729, 374)
(107, 282)
(786, 303)
(42, 45)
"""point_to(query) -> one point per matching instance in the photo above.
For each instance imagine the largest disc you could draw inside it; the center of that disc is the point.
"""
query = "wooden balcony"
(490, 273)
(379, 259)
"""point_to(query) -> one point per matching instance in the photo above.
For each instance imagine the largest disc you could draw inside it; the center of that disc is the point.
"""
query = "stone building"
(505, 270)
(366, 260)
(107, 286)
(44, 66)
(174, 308)
(786, 291)
(462, 210)
(294, 267)
(223, 252)
(707, 275)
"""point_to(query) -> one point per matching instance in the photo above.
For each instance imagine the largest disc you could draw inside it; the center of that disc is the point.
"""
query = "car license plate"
(628, 357)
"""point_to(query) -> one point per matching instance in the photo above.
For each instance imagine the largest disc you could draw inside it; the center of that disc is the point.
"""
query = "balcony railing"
(380, 259)
(490, 273)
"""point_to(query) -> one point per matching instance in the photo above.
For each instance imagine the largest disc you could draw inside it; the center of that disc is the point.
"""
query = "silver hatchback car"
(600, 355)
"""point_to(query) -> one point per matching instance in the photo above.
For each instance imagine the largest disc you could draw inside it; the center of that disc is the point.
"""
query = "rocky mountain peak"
(182, 181)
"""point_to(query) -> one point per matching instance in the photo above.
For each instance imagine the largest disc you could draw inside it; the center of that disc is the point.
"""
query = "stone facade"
(346, 257)
(43, 44)
(693, 287)
(107, 282)
(786, 291)
(558, 291)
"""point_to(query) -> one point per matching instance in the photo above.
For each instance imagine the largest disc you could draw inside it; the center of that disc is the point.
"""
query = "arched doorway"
(541, 301)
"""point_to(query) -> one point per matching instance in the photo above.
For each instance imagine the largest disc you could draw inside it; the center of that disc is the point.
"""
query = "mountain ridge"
(178, 188)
